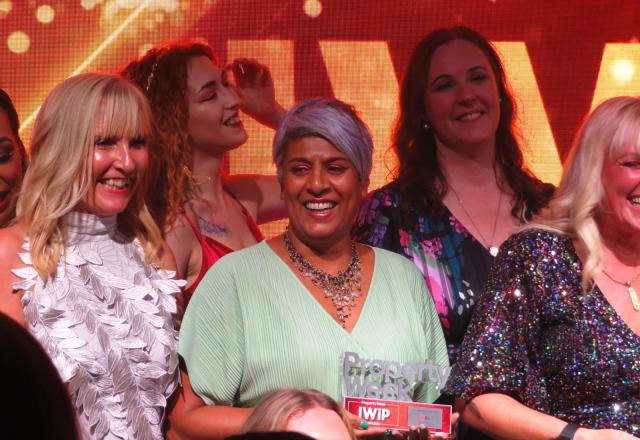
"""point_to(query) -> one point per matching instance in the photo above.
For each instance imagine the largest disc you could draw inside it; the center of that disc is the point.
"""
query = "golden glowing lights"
(370, 67)
(88, 4)
(312, 8)
(18, 42)
(45, 14)
(541, 153)
(5, 7)
(617, 75)
(623, 70)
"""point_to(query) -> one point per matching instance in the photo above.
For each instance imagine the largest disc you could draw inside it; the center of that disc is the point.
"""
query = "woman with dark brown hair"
(13, 159)
(205, 213)
(461, 186)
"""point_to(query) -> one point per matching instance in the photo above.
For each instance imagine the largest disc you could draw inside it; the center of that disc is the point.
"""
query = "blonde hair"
(60, 174)
(604, 134)
(276, 409)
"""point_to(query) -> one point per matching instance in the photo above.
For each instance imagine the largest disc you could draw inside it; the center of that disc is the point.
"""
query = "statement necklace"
(343, 288)
(632, 292)
(493, 249)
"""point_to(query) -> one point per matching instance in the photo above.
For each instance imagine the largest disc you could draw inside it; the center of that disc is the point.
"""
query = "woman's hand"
(255, 87)
(602, 434)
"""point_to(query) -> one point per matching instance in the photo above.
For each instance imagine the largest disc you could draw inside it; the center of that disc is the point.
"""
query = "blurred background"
(562, 57)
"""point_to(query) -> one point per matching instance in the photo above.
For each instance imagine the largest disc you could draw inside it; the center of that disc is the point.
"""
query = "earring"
(426, 125)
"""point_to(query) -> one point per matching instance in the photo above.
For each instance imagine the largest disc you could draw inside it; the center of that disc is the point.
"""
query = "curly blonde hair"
(162, 74)
(604, 134)
(60, 173)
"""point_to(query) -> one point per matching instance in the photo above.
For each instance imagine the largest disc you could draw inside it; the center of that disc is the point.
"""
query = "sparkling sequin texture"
(536, 337)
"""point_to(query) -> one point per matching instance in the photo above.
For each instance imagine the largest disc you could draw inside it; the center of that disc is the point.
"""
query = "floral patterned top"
(454, 264)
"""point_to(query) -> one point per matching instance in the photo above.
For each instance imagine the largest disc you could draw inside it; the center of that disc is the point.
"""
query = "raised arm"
(255, 86)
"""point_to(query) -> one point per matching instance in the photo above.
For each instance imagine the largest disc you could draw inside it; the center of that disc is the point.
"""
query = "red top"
(213, 250)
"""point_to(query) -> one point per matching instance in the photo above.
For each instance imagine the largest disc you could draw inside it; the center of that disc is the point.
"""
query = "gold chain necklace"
(493, 250)
(635, 302)
(343, 288)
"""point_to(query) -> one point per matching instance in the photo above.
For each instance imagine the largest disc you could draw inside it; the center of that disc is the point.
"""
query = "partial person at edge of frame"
(555, 339)
(78, 268)
(327, 305)
(205, 212)
(13, 159)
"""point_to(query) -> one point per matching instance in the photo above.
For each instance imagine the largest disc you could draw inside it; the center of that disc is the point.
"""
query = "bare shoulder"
(11, 240)
(260, 194)
(182, 241)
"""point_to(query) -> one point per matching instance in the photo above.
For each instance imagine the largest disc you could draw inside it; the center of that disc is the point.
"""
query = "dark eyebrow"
(471, 70)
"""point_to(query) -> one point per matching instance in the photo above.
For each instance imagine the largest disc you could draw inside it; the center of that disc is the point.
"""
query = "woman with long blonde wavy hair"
(78, 269)
(554, 342)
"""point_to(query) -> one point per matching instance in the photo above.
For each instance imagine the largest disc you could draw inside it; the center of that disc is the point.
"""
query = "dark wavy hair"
(161, 73)
(7, 106)
(418, 176)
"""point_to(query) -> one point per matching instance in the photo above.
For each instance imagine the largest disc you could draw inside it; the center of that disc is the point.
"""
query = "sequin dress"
(105, 321)
(535, 337)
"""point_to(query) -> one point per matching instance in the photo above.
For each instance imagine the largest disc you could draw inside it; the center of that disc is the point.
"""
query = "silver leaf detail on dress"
(105, 320)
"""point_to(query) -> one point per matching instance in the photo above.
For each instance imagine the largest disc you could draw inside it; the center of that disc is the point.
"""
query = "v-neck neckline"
(310, 297)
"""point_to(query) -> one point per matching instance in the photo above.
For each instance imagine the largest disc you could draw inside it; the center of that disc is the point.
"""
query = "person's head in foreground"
(308, 412)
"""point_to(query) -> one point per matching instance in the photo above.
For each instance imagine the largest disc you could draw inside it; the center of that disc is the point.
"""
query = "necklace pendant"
(634, 297)
(493, 250)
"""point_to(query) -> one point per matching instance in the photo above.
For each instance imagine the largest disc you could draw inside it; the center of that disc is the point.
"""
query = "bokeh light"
(312, 8)
(623, 70)
(18, 42)
(5, 7)
(45, 14)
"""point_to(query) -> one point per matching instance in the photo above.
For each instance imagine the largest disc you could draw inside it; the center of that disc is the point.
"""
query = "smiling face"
(214, 123)
(319, 423)
(10, 170)
(621, 183)
(322, 191)
(119, 164)
(461, 99)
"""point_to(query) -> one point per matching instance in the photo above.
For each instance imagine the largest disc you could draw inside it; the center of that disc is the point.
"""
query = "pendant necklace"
(488, 245)
(635, 302)
(343, 288)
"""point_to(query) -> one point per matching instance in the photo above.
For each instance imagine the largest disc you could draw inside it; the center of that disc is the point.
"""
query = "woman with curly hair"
(461, 186)
(205, 212)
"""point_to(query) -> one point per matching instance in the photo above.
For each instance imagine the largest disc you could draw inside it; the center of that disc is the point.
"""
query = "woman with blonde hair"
(554, 342)
(306, 411)
(78, 269)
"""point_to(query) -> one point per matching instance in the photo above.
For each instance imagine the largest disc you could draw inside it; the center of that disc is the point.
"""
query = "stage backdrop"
(562, 57)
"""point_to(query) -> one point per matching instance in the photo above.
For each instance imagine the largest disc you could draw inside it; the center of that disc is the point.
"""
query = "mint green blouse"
(252, 327)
